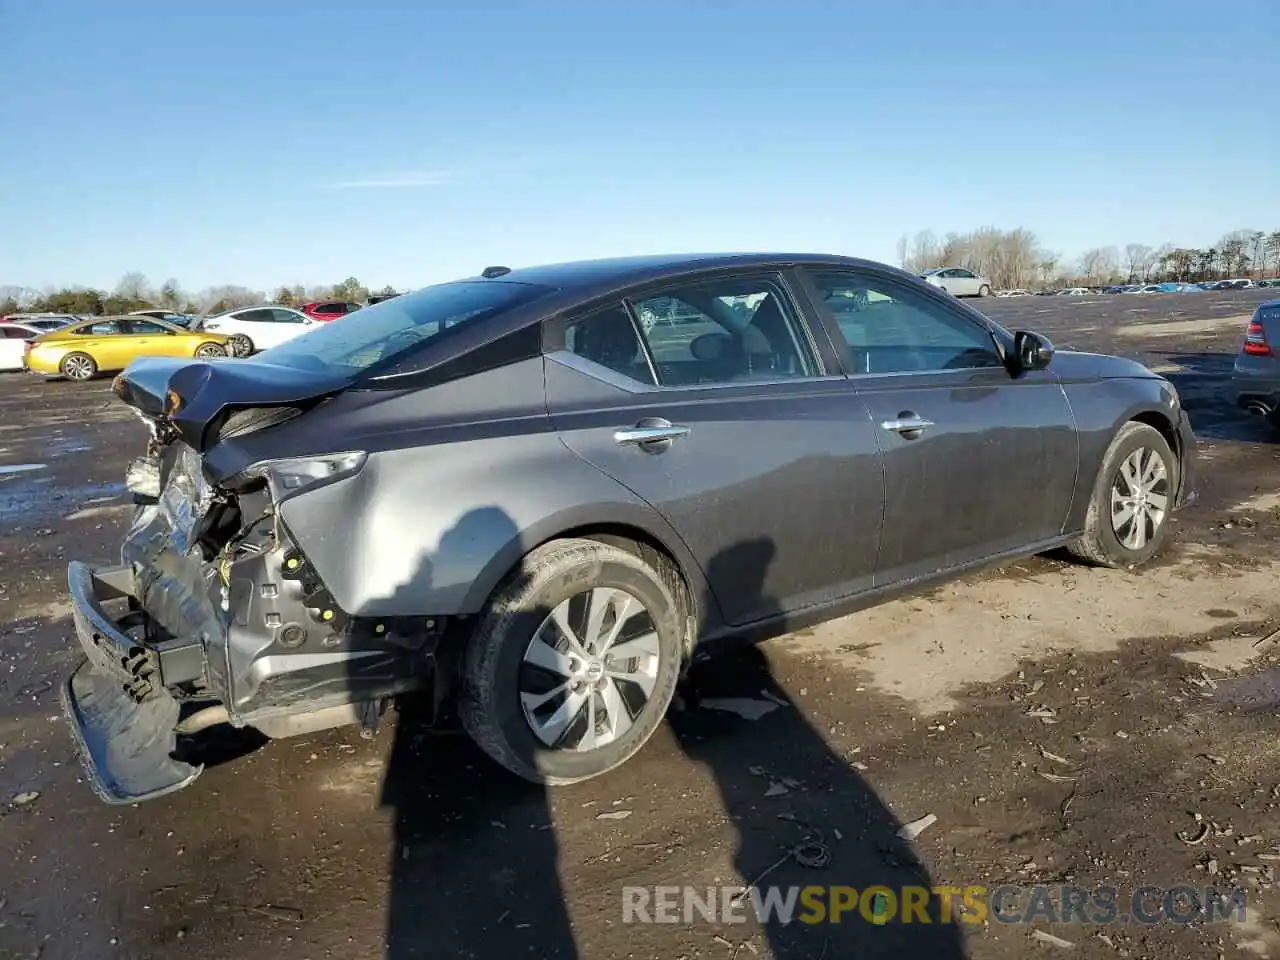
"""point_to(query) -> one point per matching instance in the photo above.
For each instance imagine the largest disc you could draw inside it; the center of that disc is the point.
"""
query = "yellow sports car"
(80, 351)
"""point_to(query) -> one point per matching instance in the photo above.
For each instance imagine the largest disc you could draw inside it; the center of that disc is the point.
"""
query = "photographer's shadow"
(786, 789)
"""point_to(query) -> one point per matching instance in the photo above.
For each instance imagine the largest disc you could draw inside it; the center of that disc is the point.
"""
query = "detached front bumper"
(120, 713)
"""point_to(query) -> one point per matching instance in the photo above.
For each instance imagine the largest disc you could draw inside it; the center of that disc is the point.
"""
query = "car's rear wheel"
(210, 351)
(241, 346)
(78, 366)
(574, 663)
(1127, 522)
(984, 291)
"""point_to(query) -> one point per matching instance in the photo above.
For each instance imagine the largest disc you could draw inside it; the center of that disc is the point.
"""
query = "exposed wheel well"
(654, 552)
(1162, 423)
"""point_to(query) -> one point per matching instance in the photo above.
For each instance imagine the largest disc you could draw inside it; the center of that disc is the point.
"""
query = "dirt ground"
(1063, 724)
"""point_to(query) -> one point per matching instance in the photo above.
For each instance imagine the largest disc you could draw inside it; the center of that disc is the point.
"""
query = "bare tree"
(133, 286)
(1090, 261)
(1135, 255)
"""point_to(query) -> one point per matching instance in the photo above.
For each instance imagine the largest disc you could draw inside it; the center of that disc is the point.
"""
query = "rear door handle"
(652, 433)
(907, 424)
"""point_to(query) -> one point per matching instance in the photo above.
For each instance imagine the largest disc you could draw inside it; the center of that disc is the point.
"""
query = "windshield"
(350, 344)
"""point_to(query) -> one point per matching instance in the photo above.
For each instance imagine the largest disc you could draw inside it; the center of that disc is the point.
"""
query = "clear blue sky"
(302, 142)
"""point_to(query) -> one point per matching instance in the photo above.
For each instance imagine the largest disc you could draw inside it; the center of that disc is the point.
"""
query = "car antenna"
(490, 272)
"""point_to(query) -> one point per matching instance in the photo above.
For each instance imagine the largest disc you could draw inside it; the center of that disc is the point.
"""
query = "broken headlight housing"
(290, 476)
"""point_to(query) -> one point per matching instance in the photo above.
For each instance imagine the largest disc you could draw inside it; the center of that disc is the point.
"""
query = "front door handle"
(907, 424)
(652, 434)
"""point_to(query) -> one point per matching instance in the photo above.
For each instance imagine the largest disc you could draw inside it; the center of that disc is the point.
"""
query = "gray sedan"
(1257, 368)
(534, 492)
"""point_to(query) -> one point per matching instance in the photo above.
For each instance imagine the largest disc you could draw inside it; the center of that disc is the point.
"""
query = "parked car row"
(1170, 286)
(79, 348)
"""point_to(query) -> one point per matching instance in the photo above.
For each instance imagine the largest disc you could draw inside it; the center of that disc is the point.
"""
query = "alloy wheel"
(78, 368)
(1139, 498)
(589, 670)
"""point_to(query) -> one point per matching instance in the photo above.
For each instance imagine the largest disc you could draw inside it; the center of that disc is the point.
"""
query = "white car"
(958, 281)
(13, 343)
(259, 328)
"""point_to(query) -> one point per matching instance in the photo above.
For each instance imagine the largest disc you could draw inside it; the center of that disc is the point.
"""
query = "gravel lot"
(1147, 698)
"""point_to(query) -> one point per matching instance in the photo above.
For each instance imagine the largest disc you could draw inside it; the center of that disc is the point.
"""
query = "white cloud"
(395, 181)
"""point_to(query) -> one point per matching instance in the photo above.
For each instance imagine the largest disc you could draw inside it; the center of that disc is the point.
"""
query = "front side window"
(145, 328)
(891, 328)
(394, 327)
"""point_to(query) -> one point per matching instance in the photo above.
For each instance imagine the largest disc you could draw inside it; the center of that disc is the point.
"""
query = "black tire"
(490, 704)
(209, 351)
(78, 366)
(1100, 545)
(240, 345)
(984, 291)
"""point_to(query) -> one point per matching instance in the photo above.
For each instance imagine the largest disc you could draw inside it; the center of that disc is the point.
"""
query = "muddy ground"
(1064, 725)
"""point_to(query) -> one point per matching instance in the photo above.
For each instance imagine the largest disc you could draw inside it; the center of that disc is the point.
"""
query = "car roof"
(589, 277)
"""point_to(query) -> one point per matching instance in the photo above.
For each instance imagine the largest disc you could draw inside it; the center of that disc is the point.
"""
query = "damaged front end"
(214, 616)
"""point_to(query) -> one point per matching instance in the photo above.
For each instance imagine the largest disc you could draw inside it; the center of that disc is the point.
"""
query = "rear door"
(713, 402)
(978, 462)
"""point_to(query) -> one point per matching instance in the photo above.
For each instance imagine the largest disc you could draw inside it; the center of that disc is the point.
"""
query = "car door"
(103, 340)
(978, 462)
(146, 338)
(966, 283)
(713, 402)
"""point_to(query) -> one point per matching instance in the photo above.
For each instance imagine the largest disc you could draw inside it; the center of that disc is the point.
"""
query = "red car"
(329, 309)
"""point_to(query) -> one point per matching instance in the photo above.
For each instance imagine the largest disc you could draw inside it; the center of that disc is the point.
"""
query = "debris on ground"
(1051, 940)
(1199, 837)
(910, 831)
(614, 815)
(23, 799)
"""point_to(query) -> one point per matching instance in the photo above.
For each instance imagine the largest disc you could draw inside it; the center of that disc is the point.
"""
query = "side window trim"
(832, 327)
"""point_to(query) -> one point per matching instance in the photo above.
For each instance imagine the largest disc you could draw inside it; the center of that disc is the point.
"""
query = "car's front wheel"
(984, 291)
(210, 351)
(1127, 522)
(574, 663)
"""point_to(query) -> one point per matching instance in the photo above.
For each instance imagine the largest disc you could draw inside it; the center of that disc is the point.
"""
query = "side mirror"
(1032, 350)
(711, 346)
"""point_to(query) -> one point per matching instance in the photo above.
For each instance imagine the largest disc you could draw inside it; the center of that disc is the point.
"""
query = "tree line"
(1015, 259)
(136, 292)
(1010, 259)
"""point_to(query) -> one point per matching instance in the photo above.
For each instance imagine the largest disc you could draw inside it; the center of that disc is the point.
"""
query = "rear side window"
(726, 331)
(609, 338)
(103, 328)
(328, 308)
(255, 316)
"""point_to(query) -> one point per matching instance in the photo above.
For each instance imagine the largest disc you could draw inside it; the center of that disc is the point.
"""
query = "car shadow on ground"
(475, 861)
(1203, 381)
